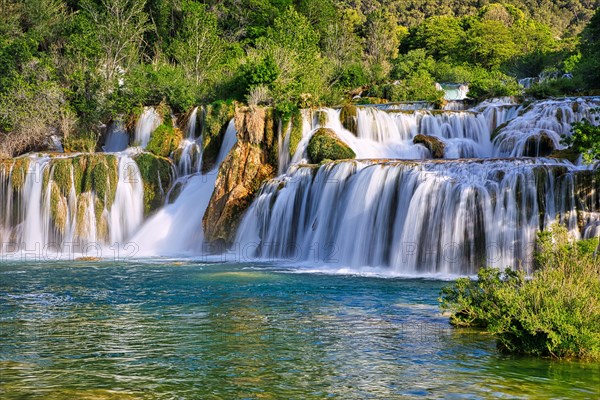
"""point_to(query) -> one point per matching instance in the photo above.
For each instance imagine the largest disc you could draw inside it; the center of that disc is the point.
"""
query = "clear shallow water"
(190, 330)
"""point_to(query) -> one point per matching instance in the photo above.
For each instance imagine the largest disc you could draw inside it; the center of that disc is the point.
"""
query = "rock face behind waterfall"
(251, 162)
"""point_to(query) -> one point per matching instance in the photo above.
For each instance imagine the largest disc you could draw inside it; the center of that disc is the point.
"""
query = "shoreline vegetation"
(555, 312)
(71, 67)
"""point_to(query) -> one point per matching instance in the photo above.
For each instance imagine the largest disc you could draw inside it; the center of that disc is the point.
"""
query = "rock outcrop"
(252, 161)
(435, 146)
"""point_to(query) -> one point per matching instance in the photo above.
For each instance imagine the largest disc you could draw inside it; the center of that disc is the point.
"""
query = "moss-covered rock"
(58, 208)
(322, 117)
(435, 146)
(215, 120)
(295, 131)
(19, 172)
(349, 118)
(157, 176)
(565, 154)
(165, 140)
(324, 144)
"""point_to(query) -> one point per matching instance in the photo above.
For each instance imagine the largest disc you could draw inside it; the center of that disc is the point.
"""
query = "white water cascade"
(189, 155)
(46, 210)
(412, 217)
(146, 124)
(176, 229)
(441, 217)
(539, 128)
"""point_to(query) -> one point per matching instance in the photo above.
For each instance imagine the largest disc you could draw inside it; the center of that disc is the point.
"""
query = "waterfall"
(390, 133)
(411, 218)
(453, 91)
(146, 124)
(539, 128)
(189, 156)
(50, 207)
(117, 138)
(177, 227)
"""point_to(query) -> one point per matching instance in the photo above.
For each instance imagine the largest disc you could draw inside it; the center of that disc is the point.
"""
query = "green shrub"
(555, 313)
(554, 88)
(325, 145)
(585, 140)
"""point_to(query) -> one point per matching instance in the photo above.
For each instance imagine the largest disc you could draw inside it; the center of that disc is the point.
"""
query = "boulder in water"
(324, 144)
(435, 146)
(540, 145)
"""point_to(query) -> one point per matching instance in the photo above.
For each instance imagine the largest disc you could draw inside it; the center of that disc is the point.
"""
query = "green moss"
(349, 118)
(296, 131)
(58, 208)
(215, 120)
(61, 174)
(326, 145)
(322, 117)
(165, 140)
(270, 138)
(157, 176)
(165, 112)
(19, 172)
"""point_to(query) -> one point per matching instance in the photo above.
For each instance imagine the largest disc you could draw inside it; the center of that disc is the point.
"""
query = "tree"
(489, 43)
(589, 66)
(382, 37)
(121, 25)
(440, 36)
(198, 46)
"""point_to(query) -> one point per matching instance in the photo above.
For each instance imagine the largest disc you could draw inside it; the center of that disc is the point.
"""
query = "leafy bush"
(555, 314)
(584, 139)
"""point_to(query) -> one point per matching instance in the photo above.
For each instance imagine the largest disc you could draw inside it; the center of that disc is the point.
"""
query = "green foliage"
(325, 145)
(584, 139)
(553, 314)
(70, 66)
(486, 84)
(555, 88)
(589, 66)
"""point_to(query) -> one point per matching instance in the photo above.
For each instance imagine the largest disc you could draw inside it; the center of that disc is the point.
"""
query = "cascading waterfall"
(146, 124)
(390, 134)
(176, 228)
(189, 156)
(51, 206)
(412, 217)
(539, 129)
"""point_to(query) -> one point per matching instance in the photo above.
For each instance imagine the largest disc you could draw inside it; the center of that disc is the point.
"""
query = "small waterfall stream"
(176, 228)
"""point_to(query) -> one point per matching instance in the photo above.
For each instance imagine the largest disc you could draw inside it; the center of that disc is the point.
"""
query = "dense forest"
(70, 66)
